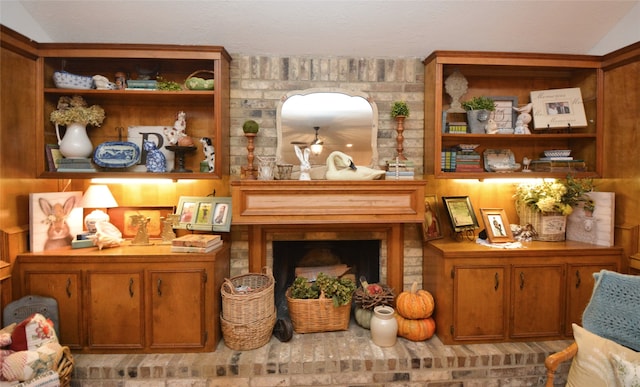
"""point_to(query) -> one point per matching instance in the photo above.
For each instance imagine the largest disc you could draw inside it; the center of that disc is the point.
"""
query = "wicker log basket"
(255, 303)
(65, 365)
(249, 335)
(317, 315)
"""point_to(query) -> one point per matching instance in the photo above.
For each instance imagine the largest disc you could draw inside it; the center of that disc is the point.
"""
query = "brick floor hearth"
(347, 358)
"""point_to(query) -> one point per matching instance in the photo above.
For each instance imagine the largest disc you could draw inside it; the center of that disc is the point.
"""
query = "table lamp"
(97, 197)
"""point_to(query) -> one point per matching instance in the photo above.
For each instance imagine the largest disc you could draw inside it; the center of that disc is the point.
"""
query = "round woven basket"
(255, 304)
(317, 315)
(251, 335)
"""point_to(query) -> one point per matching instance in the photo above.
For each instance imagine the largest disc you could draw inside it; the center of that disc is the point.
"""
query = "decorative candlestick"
(400, 137)
(250, 172)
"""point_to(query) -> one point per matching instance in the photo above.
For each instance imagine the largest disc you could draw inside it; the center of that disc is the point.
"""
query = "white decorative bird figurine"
(340, 166)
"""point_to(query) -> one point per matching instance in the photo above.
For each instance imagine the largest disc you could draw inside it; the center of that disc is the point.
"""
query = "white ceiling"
(373, 28)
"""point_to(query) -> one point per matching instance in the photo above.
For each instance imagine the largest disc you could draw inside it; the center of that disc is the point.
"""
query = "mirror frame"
(351, 93)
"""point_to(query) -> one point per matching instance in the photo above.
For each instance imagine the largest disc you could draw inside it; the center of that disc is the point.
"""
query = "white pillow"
(627, 373)
(591, 365)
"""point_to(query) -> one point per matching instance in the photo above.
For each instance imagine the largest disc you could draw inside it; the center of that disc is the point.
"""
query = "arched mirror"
(341, 120)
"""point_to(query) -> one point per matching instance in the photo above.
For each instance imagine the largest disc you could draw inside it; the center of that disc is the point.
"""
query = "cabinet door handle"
(578, 279)
(497, 281)
(131, 287)
(159, 287)
(521, 280)
(68, 288)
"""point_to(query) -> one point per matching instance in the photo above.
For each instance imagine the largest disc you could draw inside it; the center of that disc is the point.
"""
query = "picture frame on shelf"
(497, 225)
(121, 218)
(558, 108)
(431, 227)
(207, 213)
(53, 156)
(461, 213)
(504, 115)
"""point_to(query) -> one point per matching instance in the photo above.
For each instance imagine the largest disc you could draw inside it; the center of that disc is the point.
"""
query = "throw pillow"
(32, 332)
(591, 365)
(627, 373)
(614, 309)
(5, 335)
(25, 365)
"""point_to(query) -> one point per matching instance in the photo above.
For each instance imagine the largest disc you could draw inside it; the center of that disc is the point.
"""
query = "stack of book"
(468, 160)
(196, 243)
(457, 127)
(448, 160)
(400, 170)
(142, 84)
(75, 165)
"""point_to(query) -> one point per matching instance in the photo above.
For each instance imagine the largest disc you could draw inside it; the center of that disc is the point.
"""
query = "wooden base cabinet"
(484, 294)
(130, 299)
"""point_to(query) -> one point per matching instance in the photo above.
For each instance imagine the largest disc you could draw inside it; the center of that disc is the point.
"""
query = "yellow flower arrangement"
(555, 196)
(75, 109)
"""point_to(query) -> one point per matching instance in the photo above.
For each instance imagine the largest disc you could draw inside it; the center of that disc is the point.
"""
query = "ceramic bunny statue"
(305, 165)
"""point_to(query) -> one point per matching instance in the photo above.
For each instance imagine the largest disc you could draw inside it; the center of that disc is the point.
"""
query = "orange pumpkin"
(415, 304)
(416, 330)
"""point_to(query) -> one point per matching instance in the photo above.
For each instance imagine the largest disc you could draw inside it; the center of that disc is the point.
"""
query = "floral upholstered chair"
(605, 351)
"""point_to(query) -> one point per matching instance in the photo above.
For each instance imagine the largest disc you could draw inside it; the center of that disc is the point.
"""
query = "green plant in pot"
(250, 126)
(478, 111)
(399, 109)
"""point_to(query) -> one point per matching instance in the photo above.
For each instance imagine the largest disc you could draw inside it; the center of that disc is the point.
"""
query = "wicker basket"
(250, 335)
(318, 315)
(245, 307)
(65, 364)
(550, 227)
(197, 83)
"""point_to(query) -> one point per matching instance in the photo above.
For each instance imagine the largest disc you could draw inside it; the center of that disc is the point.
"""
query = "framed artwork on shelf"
(504, 115)
(55, 218)
(431, 228)
(460, 212)
(496, 225)
(207, 213)
(121, 218)
(53, 156)
(558, 108)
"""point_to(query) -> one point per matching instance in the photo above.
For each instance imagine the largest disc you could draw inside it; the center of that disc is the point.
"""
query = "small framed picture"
(431, 228)
(497, 225)
(121, 218)
(504, 115)
(53, 156)
(558, 108)
(204, 213)
(461, 213)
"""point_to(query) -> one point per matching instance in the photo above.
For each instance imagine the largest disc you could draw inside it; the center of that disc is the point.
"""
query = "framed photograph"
(53, 156)
(504, 115)
(206, 213)
(55, 218)
(496, 225)
(431, 228)
(558, 108)
(460, 212)
(121, 218)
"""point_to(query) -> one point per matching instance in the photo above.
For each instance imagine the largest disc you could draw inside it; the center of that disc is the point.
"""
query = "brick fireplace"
(328, 210)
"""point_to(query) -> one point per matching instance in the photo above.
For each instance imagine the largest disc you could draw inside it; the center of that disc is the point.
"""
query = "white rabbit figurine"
(305, 165)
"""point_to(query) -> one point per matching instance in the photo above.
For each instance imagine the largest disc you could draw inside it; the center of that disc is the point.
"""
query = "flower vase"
(384, 327)
(76, 144)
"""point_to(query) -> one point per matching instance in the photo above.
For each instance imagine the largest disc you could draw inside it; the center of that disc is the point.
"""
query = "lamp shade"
(97, 196)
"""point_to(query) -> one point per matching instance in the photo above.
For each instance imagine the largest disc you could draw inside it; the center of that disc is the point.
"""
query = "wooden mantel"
(332, 207)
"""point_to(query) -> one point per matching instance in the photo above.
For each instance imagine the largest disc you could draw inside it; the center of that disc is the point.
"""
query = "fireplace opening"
(361, 256)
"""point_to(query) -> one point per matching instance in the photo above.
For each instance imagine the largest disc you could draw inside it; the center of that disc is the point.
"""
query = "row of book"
(196, 243)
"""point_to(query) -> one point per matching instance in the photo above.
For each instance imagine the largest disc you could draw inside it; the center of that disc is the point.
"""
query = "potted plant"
(399, 109)
(75, 114)
(478, 109)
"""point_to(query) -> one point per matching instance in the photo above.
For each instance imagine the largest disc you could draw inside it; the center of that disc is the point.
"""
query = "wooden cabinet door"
(479, 302)
(178, 308)
(580, 283)
(537, 300)
(66, 288)
(115, 309)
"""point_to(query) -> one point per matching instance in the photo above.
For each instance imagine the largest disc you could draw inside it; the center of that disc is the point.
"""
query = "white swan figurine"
(348, 170)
